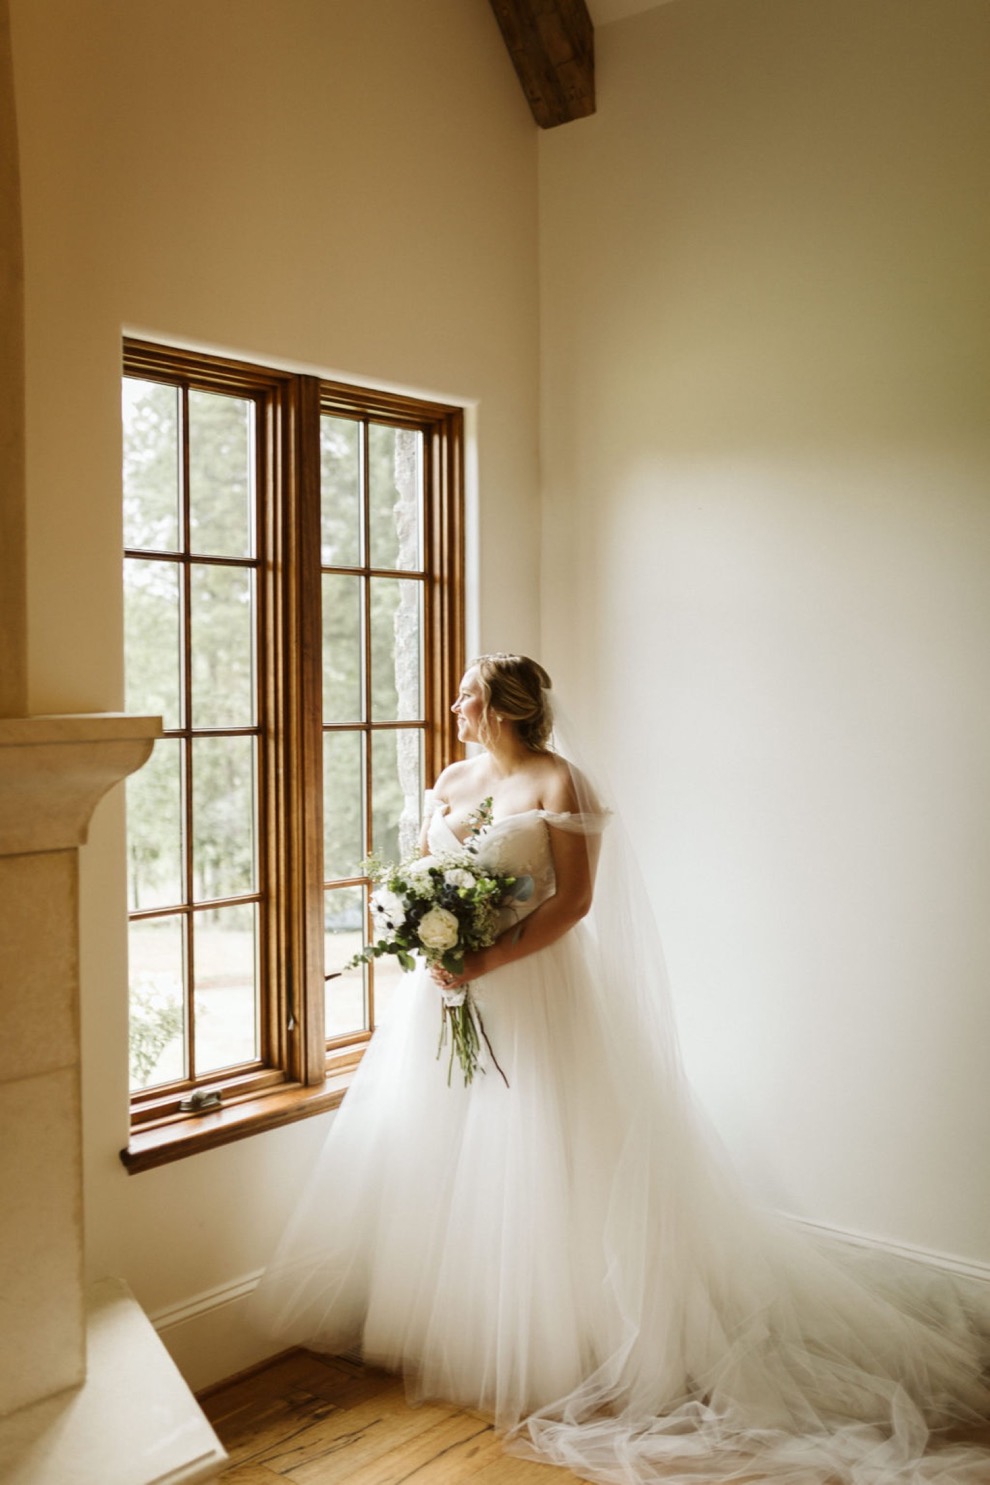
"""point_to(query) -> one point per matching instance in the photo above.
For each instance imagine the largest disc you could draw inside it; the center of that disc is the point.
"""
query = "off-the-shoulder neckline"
(443, 810)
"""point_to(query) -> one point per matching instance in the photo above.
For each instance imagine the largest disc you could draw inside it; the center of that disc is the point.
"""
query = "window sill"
(189, 1134)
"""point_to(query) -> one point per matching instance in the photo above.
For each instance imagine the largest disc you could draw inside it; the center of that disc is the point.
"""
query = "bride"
(565, 1248)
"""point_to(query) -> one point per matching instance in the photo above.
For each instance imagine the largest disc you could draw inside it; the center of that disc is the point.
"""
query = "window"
(293, 610)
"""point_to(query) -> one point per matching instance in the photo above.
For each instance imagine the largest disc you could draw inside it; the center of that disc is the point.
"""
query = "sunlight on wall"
(767, 540)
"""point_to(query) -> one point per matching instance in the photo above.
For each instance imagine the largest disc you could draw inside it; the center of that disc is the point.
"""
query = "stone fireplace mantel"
(55, 770)
(68, 1360)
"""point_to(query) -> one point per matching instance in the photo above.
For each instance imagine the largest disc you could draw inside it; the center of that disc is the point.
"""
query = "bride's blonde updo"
(516, 689)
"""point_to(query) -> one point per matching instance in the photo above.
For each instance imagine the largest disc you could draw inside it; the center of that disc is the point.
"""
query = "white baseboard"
(978, 1273)
(205, 1303)
(210, 1336)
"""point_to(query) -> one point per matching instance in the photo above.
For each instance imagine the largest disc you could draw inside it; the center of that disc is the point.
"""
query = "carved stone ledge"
(133, 1422)
(55, 770)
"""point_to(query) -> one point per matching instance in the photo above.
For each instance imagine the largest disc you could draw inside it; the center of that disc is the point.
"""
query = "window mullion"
(445, 599)
(265, 527)
(302, 657)
(280, 1010)
(367, 718)
(189, 946)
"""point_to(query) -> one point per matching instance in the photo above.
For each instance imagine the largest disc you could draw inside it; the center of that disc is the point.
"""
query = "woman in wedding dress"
(564, 1247)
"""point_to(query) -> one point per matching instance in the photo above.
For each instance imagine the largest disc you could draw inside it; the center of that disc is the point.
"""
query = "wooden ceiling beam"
(552, 46)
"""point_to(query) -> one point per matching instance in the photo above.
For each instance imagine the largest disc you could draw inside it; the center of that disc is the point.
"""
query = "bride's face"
(469, 708)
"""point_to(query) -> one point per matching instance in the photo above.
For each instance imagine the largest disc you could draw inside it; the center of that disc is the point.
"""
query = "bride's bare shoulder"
(566, 790)
(558, 791)
(455, 779)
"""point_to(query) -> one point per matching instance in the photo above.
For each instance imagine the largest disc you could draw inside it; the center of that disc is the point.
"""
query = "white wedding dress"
(570, 1254)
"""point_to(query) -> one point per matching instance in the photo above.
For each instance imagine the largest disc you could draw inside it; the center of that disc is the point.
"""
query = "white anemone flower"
(388, 909)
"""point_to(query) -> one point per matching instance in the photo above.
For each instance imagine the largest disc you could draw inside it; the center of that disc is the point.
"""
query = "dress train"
(572, 1255)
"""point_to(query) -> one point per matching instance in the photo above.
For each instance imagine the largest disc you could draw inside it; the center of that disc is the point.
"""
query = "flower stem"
(466, 1029)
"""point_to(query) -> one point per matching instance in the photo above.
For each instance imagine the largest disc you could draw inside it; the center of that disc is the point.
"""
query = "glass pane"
(151, 465)
(225, 955)
(157, 1019)
(389, 981)
(342, 649)
(395, 482)
(222, 625)
(343, 804)
(340, 491)
(221, 475)
(396, 793)
(344, 922)
(396, 659)
(223, 816)
(154, 830)
(152, 637)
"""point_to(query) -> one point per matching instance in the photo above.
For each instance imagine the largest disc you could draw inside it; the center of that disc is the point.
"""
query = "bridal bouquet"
(441, 907)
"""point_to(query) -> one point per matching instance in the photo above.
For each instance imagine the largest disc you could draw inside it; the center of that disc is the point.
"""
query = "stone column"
(53, 770)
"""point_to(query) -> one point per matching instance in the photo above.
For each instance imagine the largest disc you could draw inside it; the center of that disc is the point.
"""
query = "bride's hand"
(446, 981)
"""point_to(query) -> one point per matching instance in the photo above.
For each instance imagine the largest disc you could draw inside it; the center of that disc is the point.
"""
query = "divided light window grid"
(194, 544)
(374, 723)
(293, 610)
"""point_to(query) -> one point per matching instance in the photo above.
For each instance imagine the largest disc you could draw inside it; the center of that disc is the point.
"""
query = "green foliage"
(154, 1023)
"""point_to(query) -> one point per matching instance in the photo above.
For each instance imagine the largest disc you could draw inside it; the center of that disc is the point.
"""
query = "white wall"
(351, 189)
(766, 355)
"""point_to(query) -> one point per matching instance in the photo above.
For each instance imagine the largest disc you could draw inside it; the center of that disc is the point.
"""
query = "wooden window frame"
(297, 1074)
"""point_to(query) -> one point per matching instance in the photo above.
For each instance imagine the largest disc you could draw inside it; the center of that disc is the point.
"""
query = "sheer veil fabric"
(572, 1253)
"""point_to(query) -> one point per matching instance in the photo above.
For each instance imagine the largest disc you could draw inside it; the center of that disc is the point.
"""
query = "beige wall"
(352, 189)
(766, 452)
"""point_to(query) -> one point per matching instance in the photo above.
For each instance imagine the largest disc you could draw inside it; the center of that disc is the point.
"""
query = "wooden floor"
(316, 1420)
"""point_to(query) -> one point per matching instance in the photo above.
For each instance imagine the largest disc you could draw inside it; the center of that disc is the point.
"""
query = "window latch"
(202, 1099)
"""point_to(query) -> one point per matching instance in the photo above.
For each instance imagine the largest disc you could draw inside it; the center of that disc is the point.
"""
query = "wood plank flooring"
(317, 1420)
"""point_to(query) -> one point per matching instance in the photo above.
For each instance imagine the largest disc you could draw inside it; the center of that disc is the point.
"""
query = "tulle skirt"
(570, 1254)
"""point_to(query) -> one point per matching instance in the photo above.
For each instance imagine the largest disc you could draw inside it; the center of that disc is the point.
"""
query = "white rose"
(439, 930)
(388, 909)
(458, 877)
